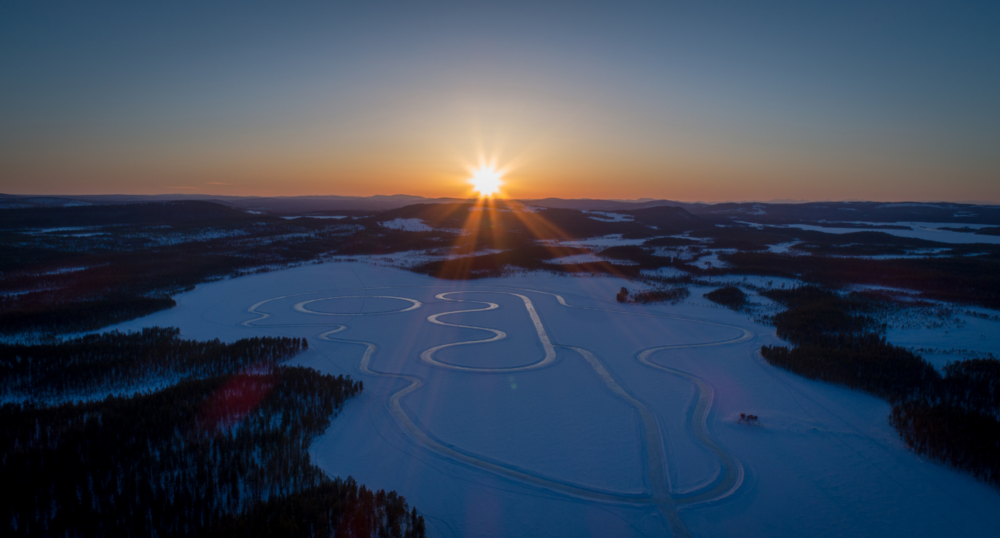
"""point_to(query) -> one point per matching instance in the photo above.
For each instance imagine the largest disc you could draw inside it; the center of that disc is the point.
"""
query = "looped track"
(661, 496)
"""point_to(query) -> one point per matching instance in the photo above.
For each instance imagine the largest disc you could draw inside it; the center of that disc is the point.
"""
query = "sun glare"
(486, 181)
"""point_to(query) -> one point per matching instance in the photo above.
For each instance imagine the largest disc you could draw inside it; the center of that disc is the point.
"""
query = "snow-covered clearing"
(409, 225)
(577, 258)
(752, 281)
(710, 260)
(666, 272)
(65, 230)
(783, 248)
(955, 338)
(536, 405)
(64, 270)
(613, 240)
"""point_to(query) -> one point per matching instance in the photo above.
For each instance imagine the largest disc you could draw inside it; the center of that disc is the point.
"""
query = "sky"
(691, 101)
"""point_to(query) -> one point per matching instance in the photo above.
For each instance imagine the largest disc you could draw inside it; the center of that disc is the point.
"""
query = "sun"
(486, 181)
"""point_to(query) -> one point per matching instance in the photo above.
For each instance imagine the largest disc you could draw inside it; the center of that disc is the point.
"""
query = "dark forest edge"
(222, 454)
(665, 295)
(115, 362)
(953, 418)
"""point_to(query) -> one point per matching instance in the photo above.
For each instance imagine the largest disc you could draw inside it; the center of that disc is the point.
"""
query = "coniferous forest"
(223, 451)
(952, 416)
(114, 361)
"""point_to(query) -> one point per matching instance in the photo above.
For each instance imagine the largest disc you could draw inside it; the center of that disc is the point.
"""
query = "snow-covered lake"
(931, 231)
(575, 415)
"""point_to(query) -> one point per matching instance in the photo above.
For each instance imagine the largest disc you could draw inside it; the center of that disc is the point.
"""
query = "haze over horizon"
(886, 102)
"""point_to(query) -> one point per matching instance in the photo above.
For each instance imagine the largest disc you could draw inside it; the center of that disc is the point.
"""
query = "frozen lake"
(538, 406)
(931, 231)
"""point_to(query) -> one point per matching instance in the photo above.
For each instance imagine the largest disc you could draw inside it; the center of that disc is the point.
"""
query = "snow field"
(568, 449)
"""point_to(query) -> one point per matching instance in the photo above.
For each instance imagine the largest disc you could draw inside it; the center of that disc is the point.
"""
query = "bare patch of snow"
(710, 261)
(64, 270)
(782, 248)
(665, 272)
(613, 240)
(409, 225)
(578, 258)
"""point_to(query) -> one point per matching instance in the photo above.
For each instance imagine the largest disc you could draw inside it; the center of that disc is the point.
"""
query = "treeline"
(115, 361)
(970, 275)
(185, 212)
(965, 439)
(529, 258)
(954, 417)
(641, 258)
(79, 316)
(671, 295)
(865, 362)
(224, 454)
(500, 217)
(538, 257)
(961, 425)
(959, 273)
(356, 511)
(814, 314)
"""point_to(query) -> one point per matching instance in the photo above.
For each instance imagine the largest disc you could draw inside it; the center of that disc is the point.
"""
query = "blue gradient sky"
(732, 101)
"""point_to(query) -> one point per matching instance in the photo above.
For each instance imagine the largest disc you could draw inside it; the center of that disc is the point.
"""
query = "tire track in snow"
(428, 355)
(410, 427)
(654, 463)
(301, 307)
(656, 467)
(732, 469)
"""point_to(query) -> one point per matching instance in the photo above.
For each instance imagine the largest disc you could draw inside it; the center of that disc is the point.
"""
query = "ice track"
(662, 497)
(550, 352)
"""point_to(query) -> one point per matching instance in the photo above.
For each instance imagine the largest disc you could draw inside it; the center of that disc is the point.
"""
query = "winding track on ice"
(661, 496)
(428, 355)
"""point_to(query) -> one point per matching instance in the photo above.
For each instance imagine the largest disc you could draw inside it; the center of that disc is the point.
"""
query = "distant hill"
(668, 219)
(854, 212)
(770, 213)
(184, 212)
(588, 204)
(278, 205)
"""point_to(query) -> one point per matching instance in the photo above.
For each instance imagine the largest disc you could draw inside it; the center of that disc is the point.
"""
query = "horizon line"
(641, 200)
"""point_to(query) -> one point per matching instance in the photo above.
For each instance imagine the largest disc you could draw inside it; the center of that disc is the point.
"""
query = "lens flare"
(486, 181)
